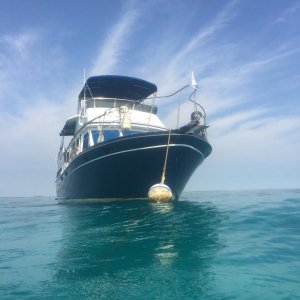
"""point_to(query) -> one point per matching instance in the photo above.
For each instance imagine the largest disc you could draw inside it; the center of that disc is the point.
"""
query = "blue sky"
(245, 55)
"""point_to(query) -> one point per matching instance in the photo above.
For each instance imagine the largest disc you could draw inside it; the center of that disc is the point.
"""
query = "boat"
(115, 147)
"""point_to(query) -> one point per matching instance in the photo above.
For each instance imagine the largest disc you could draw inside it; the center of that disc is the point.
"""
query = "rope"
(163, 177)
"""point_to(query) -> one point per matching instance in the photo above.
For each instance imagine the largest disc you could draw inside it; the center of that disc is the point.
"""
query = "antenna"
(84, 87)
(194, 82)
(84, 83)
(195, 87)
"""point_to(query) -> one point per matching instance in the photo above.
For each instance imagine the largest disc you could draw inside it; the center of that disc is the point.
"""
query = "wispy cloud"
(20, 43)
(28, 153)
(229, 87)
(32, 105)
(181, 56)
(220, 21)
(231, 122)
(13, 53)
(285, 14)
(112, 49)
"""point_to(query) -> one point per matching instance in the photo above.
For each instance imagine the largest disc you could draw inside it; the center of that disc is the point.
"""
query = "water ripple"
(209, 245)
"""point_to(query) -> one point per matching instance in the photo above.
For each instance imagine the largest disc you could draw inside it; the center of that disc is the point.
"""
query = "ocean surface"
(208, 245)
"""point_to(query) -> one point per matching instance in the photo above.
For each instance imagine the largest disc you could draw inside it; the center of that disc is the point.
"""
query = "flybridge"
(116, 86)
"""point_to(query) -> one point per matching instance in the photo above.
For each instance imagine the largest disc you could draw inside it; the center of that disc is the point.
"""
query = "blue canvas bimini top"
(116, 86)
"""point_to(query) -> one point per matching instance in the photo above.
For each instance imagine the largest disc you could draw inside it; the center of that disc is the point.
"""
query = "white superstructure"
(101, 119)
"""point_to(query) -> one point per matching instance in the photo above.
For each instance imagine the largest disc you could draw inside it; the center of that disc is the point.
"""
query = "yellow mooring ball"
(160, 192)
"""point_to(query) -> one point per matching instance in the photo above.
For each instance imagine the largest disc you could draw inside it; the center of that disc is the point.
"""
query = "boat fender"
(160, 192)
(125, 120)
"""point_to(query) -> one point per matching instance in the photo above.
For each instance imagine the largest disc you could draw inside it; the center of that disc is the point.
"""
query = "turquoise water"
(208, 245)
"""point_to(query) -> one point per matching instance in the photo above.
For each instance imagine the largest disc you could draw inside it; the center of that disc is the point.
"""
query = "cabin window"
(110, 103)
(95, 134)
(110, 134)
(91, 103)
(85, 141)
(107, 135)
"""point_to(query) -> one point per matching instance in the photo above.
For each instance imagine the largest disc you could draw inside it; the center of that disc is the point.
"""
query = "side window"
(95, 134)
(85, 141)
(110, 134)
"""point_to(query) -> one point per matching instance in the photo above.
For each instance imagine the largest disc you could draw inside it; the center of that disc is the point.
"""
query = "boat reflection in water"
(146, 247)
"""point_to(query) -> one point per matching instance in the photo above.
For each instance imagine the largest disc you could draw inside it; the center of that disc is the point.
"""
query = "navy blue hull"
(126, 167)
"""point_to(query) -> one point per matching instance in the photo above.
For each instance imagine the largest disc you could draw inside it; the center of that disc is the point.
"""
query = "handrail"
(92, 122)
(196, 103)
(133, 101)
(190, 98)
(85, 125)
(167, 96)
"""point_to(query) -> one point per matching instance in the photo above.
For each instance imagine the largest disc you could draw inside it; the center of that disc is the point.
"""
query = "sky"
(245, 56)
